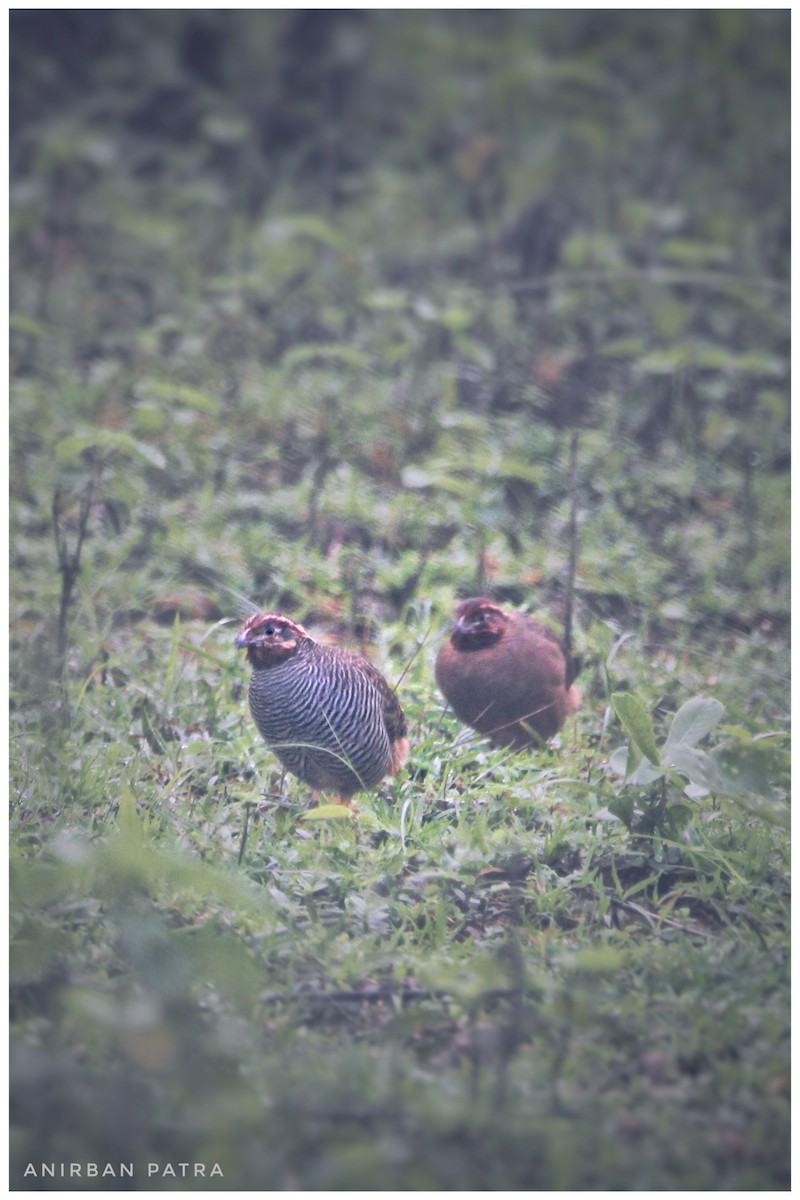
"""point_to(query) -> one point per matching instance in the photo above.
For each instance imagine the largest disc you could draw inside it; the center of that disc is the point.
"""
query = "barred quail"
(328, 714)
(506, 675)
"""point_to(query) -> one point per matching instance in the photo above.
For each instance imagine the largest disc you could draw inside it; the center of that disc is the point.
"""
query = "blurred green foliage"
(305, 308)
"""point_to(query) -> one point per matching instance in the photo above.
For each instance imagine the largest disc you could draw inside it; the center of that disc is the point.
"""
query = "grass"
(308, 323)
(478, 972)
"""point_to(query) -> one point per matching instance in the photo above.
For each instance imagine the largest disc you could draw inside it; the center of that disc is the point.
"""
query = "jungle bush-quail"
(328, 714)
(506, 675)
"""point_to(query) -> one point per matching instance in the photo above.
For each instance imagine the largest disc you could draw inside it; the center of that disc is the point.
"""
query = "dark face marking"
(269, 638)
(479, 623)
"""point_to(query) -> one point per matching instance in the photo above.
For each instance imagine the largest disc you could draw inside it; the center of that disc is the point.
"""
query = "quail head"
(506, 675)
(328, 714)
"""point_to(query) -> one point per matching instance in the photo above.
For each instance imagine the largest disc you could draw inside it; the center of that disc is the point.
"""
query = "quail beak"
(242, 639)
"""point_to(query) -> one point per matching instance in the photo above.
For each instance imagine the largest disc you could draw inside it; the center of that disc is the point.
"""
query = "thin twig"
(572, 539)
(407, 667)
(249, 808)
(656, 275)
(375, 995)
(69, 561)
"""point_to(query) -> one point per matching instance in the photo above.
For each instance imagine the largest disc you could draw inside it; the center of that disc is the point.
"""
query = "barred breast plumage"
(328, 714)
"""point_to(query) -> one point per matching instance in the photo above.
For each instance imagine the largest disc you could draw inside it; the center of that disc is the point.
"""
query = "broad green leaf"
(128, 819)
(23, 323)
(282, 229)
(754, 767)
(709, 356)
(622, 807)
(677, 817)
(149, 417)
(643, 774)
(618, 761)
(457, 317)
(108, 439)
(694, 720)
(757, 363)
(38, 884)
(158, 231)
(227, 129)
(623, 347)
(671, 316)
(591, 249)
(580, 71)
(419, 477)
(386, 300)
(328, 812)
(598, 960)
(636, 722)
(225, 962)
(694, 253)
(694, 764)
(475, 351)
(663, 361)
(34, 947)
(519, 468)
(348, 355)
(182, 394)
(636, 770)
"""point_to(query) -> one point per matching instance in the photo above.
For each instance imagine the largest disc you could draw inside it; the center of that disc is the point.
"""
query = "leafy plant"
(324, 302)
(657, 779)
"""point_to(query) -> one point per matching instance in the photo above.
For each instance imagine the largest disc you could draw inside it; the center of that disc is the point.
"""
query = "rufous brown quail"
(506, 675)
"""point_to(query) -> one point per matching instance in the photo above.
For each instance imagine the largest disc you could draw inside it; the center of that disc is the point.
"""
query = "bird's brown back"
(514, 690)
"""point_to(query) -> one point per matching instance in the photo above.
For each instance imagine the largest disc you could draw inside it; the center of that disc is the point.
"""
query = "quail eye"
(270, 631)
